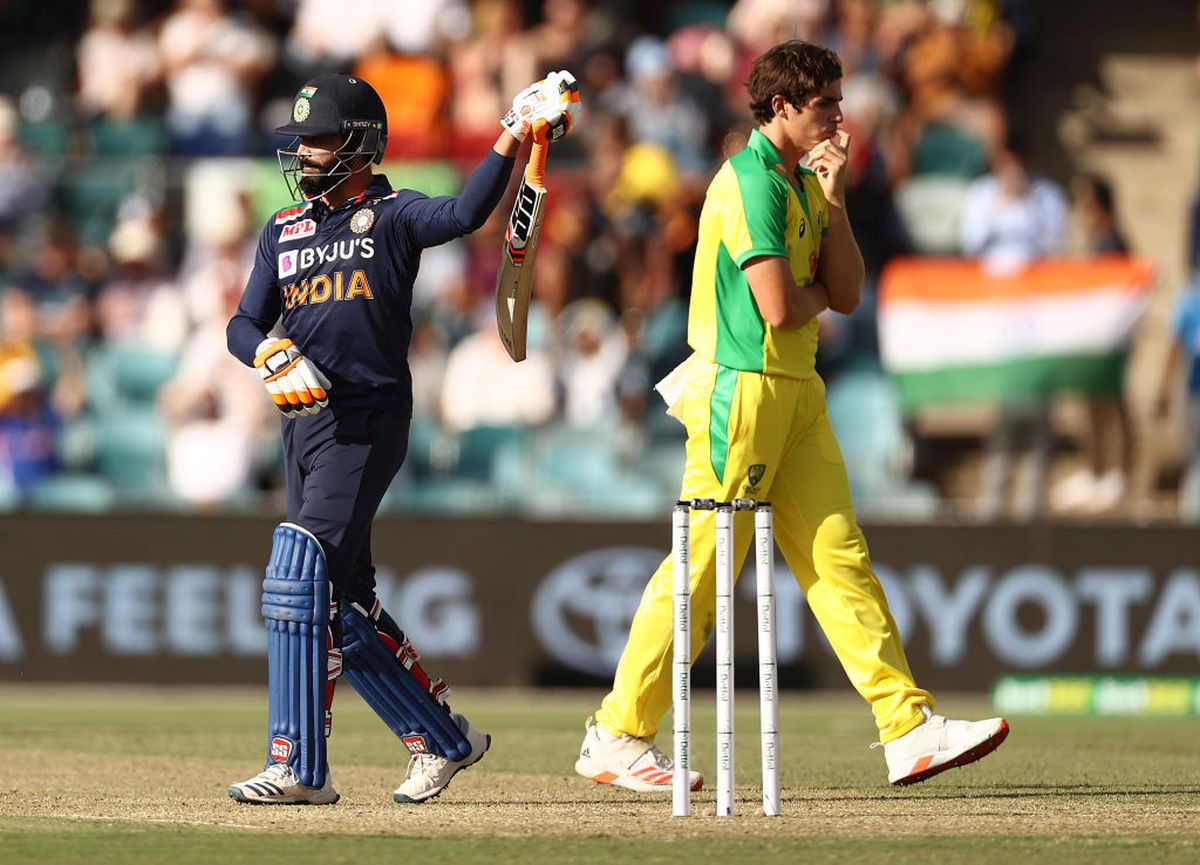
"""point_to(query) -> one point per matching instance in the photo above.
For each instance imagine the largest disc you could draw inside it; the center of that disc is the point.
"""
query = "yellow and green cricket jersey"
(755, 207)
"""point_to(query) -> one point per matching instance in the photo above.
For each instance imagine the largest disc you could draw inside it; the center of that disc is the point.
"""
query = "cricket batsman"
(775, 248)
(326, 322)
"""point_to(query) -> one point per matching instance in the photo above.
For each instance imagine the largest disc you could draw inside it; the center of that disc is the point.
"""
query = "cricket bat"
(514, 280)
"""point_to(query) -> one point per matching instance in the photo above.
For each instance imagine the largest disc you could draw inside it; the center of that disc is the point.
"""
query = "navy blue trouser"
(339, 463)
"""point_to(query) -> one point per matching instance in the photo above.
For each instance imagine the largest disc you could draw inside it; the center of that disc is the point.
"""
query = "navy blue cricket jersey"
(341, 280)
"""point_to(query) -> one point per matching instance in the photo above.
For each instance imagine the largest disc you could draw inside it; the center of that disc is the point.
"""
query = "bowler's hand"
(828, 160)
(295, 385)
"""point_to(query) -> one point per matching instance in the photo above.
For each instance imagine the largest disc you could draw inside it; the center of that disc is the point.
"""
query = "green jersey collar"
(762, 145)
(766, 151)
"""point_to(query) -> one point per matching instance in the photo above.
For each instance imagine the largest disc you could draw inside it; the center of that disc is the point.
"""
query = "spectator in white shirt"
(1012, 216)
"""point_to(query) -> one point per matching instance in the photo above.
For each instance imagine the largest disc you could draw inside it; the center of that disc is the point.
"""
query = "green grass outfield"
(138, 775)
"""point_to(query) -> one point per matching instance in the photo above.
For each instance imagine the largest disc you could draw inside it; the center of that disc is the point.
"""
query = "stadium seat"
(628, 496)
(478, 449)
(581, 460)
(130, 449)
(10, 496)
(423, 432)
(949, 151)
(138, 136)
(75, 445)
(663, 464)
(139, 372)
(91, 196)
(49, 139)
(447, 496)
(73, 492)
(930, 207)
(664, 337)
(865, 413)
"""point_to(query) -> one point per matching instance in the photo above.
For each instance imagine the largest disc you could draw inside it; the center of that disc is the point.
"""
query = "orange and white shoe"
(938, 744)
(627, 761)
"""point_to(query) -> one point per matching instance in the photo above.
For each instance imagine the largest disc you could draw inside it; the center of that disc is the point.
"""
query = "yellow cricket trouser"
(769, 438)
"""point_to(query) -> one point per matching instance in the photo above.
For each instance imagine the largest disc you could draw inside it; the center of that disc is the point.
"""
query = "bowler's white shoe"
(429, 774)
(278, 785)
(938, 744)
(627, 761)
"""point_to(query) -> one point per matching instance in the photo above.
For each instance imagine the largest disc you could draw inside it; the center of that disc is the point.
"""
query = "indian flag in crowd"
(952, 332)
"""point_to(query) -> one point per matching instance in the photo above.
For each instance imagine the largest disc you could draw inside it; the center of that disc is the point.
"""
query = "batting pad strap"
(295, 607)
(402, 699)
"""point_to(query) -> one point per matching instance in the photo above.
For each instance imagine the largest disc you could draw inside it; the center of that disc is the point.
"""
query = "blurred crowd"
(136, 170)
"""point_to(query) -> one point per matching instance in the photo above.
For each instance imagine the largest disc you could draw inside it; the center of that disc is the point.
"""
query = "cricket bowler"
(775, 249)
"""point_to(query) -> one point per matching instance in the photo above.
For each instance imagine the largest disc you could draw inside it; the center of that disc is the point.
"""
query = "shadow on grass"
(1000, 791)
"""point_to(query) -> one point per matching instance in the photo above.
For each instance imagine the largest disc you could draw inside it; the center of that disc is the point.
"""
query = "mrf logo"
(281, 749)
(416, 744)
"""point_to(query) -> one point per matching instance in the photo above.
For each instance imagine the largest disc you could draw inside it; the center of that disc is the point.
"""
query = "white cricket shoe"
(938, 744)
(429, 774)
(627, 761)
(278, 785)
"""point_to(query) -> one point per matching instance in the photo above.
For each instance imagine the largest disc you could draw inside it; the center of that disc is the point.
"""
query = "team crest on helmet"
(301, 109)
(361, 222)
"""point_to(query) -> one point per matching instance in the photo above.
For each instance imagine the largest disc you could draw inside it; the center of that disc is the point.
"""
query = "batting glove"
(549, 109)
(295, 385)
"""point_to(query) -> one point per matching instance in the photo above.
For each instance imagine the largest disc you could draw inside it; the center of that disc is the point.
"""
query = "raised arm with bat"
(547, 111)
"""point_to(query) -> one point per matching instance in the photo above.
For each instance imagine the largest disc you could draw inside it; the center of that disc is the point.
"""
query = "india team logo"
(301, 109)
(361, 222)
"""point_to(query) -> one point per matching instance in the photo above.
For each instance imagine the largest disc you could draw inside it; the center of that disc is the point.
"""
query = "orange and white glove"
(295, 385)
(549, 109)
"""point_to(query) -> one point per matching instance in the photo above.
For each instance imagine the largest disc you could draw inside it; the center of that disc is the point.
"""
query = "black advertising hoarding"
(492, 602)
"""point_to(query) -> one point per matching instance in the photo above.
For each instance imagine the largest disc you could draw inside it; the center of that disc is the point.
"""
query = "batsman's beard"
(317, 184)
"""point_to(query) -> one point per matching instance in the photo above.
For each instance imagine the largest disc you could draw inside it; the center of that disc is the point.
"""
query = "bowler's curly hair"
(795, 70)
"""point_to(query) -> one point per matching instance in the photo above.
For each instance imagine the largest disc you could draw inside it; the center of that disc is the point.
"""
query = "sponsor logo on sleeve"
(298, 230)
(287, 263)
